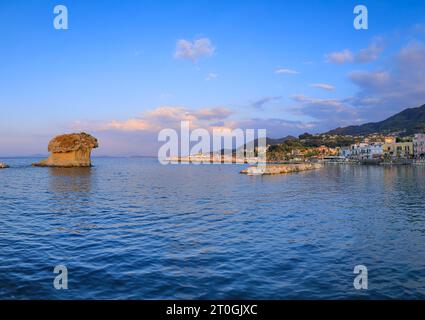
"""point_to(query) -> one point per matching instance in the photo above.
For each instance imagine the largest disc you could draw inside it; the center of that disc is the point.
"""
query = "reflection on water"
(70, 189)
(68, 180)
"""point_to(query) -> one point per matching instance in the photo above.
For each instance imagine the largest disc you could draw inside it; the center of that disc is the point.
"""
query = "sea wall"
(281, 168)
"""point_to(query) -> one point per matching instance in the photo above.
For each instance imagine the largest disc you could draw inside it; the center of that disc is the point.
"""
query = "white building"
(366, 151)
(419, 145)
(376, 150)
(345, 152)
(358, 150)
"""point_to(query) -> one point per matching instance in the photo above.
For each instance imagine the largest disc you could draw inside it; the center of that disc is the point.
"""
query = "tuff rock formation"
(3, 165)
(70, 150)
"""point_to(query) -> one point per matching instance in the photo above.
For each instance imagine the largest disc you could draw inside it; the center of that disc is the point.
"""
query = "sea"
(132, 228)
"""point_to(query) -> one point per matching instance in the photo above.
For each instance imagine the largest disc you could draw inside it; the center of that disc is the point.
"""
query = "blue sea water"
(130, 228)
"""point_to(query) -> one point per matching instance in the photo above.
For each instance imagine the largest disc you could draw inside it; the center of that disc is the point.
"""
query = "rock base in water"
(65, 160)
(70, 150)
(280, 168)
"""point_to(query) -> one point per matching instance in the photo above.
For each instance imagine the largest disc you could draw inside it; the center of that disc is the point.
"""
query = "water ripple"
(133, 229)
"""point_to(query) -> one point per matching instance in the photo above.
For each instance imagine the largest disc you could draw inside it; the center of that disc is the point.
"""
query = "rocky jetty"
(3, 165)
(272, 169)
(70, 150)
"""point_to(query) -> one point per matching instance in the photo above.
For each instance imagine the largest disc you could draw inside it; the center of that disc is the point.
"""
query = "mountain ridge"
(408, 121)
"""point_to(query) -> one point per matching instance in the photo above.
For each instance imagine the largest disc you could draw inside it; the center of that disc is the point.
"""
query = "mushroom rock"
(3, 165)
(70, 150)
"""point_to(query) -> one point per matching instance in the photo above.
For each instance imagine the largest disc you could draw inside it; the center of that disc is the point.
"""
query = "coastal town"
(370, 149)
(374, 149)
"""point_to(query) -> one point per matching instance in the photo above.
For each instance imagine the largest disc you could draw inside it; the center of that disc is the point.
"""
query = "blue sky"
(125, 69)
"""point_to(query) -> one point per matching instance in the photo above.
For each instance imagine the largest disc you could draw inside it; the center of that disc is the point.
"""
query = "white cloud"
(340, 57)
(382, 92)
(194, 50)
(259, 104)
(211, 76)
(331, 111)
(285, 71)
(396, 87)
(336, 104)
(371, 53)
(373, 79)
(163, 117)
(323, 86)
(129, 125)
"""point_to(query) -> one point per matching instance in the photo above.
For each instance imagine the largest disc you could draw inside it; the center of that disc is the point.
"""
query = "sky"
(124, 70)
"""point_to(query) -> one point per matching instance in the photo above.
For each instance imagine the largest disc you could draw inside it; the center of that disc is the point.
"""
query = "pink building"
(419, 145)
